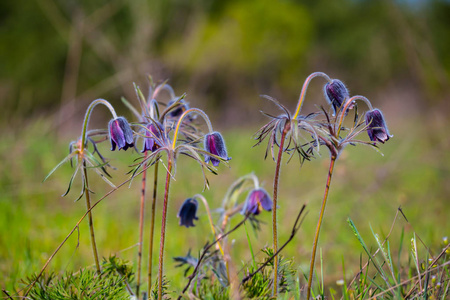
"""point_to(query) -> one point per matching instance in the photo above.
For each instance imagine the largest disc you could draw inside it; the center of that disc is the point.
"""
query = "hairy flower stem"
(316, 238)
(152, 229)
(90, 219)
(163, 230)
(141, 228)
(87, 117)
(211, 223)
(274, 208)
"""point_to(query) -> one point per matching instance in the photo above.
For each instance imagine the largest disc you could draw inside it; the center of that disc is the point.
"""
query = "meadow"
(367, 187)
(387, 210)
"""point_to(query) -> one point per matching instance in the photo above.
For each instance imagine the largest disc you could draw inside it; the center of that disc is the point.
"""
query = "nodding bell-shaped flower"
(215, 144)
(187, 213)
(376, 126)
(256, 201)
(179, 110)
(336, 93)
(120, 134)
(152, 137)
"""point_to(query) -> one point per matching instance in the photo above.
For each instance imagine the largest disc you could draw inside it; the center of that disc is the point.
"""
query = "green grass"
(366, 187)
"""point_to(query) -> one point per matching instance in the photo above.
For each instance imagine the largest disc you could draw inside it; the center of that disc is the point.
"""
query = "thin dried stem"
(295, 228)
(205, 251)
(71, 232)
(7, 294)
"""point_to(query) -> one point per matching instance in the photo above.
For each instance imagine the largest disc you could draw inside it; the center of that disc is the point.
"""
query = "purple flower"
(376, 126)
(178, 110)
(336, 93)
(215, 144)
(153, 137)
(256, 201)
(120, 134)
(187, 212)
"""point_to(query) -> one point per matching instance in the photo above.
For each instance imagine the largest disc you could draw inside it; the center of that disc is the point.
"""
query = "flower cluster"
(305, 133)
(164, 133)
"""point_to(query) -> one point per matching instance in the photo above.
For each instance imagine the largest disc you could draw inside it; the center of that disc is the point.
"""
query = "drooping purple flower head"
(120, 134)
(376, 126)
(336, 93)
(152, 141)
(256, 201)
(215, 144)
(179, 110)
(187, 212)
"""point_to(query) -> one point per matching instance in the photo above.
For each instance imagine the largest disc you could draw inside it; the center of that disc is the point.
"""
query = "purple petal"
(376, 126)
(336, 93)
(215, 144)
(265, 201)
(187, 212)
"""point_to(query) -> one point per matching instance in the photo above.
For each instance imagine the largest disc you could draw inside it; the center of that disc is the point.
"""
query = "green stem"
(274, 207)
(90, 219)
(141, 228)
(316, 238)
(163, 229)
(152, 229)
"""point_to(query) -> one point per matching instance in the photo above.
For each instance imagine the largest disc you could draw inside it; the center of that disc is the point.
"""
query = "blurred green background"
(58, 56)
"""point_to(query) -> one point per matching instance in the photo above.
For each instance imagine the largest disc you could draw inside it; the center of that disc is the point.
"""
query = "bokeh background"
(57, 56)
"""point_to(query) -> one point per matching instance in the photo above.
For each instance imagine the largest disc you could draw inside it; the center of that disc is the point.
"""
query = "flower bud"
(187, 213)
(215, 144)
(177, 111)
(336, 93)
(120, 134)
(376, 126)
(256, 201)
(152, 141)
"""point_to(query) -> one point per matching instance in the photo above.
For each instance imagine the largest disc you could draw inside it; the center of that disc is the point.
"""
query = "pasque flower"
(152, 141)
(178, 110)
(376, 126)
(120, 134)
(187, 213)
(215, 144)
(256, 201)
(336, 93)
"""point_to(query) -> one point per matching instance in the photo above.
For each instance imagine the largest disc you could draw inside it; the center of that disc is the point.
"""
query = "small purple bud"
(120, 134)
(153, 137)
(215, 144)
(376, 126)
(178, 110)
(256, 201)
(336, 93)
(187, 212)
